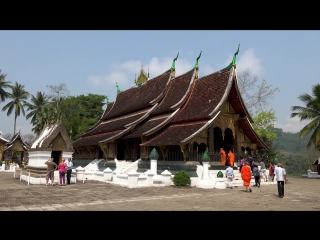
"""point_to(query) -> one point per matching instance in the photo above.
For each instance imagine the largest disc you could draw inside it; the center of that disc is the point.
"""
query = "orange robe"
(246, 175)
(270, 170)
(223, 156)
(231, 159)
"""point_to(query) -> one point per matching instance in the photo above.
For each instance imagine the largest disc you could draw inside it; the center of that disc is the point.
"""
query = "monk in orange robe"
(223, 156)
(246, 176)
(231, 158)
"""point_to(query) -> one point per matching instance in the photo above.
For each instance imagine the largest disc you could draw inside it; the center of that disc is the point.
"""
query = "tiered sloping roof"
(48, 134)
(16, 137)
(3, 140)
(131, 107)
(206, 97)
(171, 110)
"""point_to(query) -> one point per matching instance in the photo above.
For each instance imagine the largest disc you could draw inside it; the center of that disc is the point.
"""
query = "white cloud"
(110, 79)
(292, 125)
(124, 73)
(249, 60)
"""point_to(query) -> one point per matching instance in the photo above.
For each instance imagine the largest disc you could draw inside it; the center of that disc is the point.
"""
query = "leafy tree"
(264, 127)
(80, 113)
(36, 105)
(310, 112)
(45, 116)
(19, 97)
(3, 84)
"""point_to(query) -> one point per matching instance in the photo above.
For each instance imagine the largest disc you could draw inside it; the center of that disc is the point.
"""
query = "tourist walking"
(231, 158)
(230, 176)
(69, 170)
(62, 172)
(256, 174)
(223, 156)
(281, 179)
(51, 167)
(271, 172)
(246, 176)
(263, 170)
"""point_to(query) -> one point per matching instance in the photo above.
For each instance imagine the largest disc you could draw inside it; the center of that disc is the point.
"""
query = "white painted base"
(205, 183)
(220, 183)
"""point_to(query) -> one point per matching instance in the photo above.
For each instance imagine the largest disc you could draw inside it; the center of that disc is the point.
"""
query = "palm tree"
(45, 116)
(19, 97)
(310, 112)
(3, 84)
(36, 105)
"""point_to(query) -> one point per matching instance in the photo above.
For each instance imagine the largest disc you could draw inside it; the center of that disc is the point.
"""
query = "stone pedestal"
(166, 177)
(107, 174)
(205, 181)
(153, 166)
(80, 173)
(220, 183)
(149, 175)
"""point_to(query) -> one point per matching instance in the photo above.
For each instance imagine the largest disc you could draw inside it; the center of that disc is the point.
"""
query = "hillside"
(290, 143)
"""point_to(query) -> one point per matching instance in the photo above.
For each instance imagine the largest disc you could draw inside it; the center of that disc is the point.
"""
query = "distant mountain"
(290, 143)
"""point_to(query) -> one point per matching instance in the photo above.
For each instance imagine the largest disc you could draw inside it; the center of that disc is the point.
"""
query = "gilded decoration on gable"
(58, 143)
(224, 122)
(142, 78)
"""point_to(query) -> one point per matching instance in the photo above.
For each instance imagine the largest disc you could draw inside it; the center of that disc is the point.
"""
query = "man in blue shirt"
(230, 176)
(69, 170)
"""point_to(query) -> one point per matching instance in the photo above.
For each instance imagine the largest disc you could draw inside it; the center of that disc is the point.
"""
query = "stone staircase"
(237, 181)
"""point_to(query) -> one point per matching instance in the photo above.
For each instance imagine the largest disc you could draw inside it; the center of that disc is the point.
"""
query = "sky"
(94, 61)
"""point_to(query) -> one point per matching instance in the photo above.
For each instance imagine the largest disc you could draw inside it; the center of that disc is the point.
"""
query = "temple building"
(181, 116)
(3, 143)
(16, 150)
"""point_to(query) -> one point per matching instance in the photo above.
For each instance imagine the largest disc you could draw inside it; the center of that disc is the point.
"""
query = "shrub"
(181, 178)
(220, 174)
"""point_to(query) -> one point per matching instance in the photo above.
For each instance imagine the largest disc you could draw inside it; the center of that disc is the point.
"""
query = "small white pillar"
(149, 175)
(153, 166)
(107, 174)
(166, 177)
(133, 179)
(3, 167)
(80, 173)
(309, 173)
(205, 181)
(114, 175)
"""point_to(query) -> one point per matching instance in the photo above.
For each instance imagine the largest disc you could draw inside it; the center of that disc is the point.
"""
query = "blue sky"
(94, 61)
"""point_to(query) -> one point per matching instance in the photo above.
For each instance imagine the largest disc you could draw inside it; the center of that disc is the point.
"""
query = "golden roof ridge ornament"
(173, 67)
(142, 77)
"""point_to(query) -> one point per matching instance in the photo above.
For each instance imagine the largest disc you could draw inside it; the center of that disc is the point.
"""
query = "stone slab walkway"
(301, 194)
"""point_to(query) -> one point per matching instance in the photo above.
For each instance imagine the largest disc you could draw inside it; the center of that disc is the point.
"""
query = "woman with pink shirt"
(62, 172)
